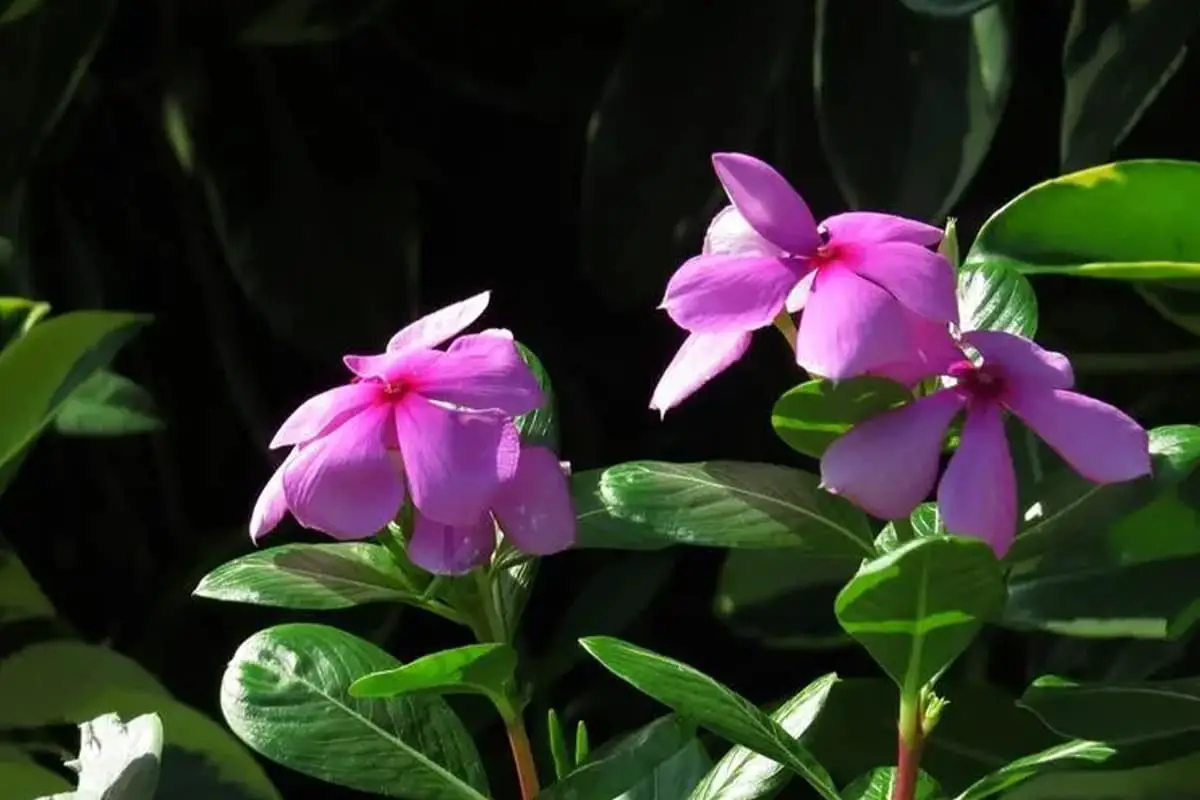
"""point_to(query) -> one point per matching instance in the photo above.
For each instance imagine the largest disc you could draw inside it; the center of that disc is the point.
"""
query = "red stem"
(522, 753)
(910, 742)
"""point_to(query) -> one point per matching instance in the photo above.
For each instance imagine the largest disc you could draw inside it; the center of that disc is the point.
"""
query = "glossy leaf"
(18, 315)
(1116, 59)
(879, 784)
(48, 363)
(309, 576)
(995, 297)
(107, 404)
(1063, 756)
(284, 694)
(475, 668)
(944, 84)
(653, 504)
(21, 776)
(661, 761)
(1116, 713)
(1130, 220)
(692, 80)
(710, 704)
(743, 774)
(119, 760)
(539, 426)
(917, 608)
(810, 416)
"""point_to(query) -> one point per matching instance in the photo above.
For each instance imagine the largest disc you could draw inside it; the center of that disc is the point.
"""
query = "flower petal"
(768, 202)
(920, 279)
(872, 226)
(481, 371)
(730, 234)
(1101, 443)
(888, 464)
(347, 483)
(433, 329)
(455, 460)
(702, 357)
(322, 413)
(850, 326)
(271, 507)
(933, 351)
(534, 508)
(721, 294)
(978, 493)
(393, 366)
(798, 297)
(451, 550)
(1022, 360)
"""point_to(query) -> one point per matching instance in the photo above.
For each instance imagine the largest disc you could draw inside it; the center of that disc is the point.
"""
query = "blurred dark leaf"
(1116, 713)
(908, 104)
(947, 8)
(286, 22)
(107, 404)
(693, 80)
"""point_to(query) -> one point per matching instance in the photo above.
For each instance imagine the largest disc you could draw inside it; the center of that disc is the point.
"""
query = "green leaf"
(69, 682)
(878, 784)
(1063, 756)
(1066, 505)
(743, 774)
(1116, 59)
(1116, 713)
(657, 125)
(23, 777)
(564, 761)
(46, 365)
(710, 704)
(917, 608)
(948, 80)
(107, 404)
(284, 694)
(289, 22)
(661, 761)
(20, 596)
(309, 576)
(947, 8)
(1173, 780)
(1130, 220)
(485, 669)
(653, 504)
(15, 9)
(512, 584)
(540, 426)
(18, 315)
(119, 760)
(810, 416)
(995, 297)
(924, 521)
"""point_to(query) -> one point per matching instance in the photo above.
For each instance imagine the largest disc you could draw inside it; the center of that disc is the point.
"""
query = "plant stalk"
(910, 741)
(522, 753)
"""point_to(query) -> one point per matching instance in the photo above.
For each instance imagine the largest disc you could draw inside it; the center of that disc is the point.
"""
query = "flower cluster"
(432, 427)
(876, 299)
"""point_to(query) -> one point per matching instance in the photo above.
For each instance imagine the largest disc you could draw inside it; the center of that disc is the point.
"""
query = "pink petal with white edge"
(889, 464)
(730, 234)
(394, 367)
(721, 294)
(1023, 361)
(850, 327)
(920, 279)
(1100, 442)
(978, 493)
(768, 202)
(534, 508)
(435, 328)
(798, 297)
(481, 371)
(872, 226)
(933, 352)
(348, 483)
(701, 358)
(271, 507)
(322, 413)
(455, 460)
(451, 550)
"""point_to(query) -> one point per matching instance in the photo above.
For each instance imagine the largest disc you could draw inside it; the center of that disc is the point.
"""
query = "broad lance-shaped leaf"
(118, 760)
(653, 504)
(1116, 59)
(810, 416)
(917, 608)
(948, 81)
(657, 125)
(1064, 756)
(107, 404)
(474, 669)
(1117, 713)
(309, 576)
(661, 761)
(995, 297)
(284, 693)
(743, 774)
(711, 704)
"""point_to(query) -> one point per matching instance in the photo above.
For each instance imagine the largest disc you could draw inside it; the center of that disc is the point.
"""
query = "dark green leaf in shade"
(1116, 713)
(947, 8)
(107, 404)
(1064, 756)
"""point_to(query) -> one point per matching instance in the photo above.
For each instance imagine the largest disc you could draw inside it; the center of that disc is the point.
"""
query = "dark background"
(434, 152)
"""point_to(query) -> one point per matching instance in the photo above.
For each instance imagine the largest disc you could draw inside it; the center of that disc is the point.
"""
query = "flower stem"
(910, 741)
(787, 327)
(522, 753)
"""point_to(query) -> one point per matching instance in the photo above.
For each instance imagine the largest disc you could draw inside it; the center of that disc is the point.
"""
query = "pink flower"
(889, 464)
(861, 278)
(430, 424)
